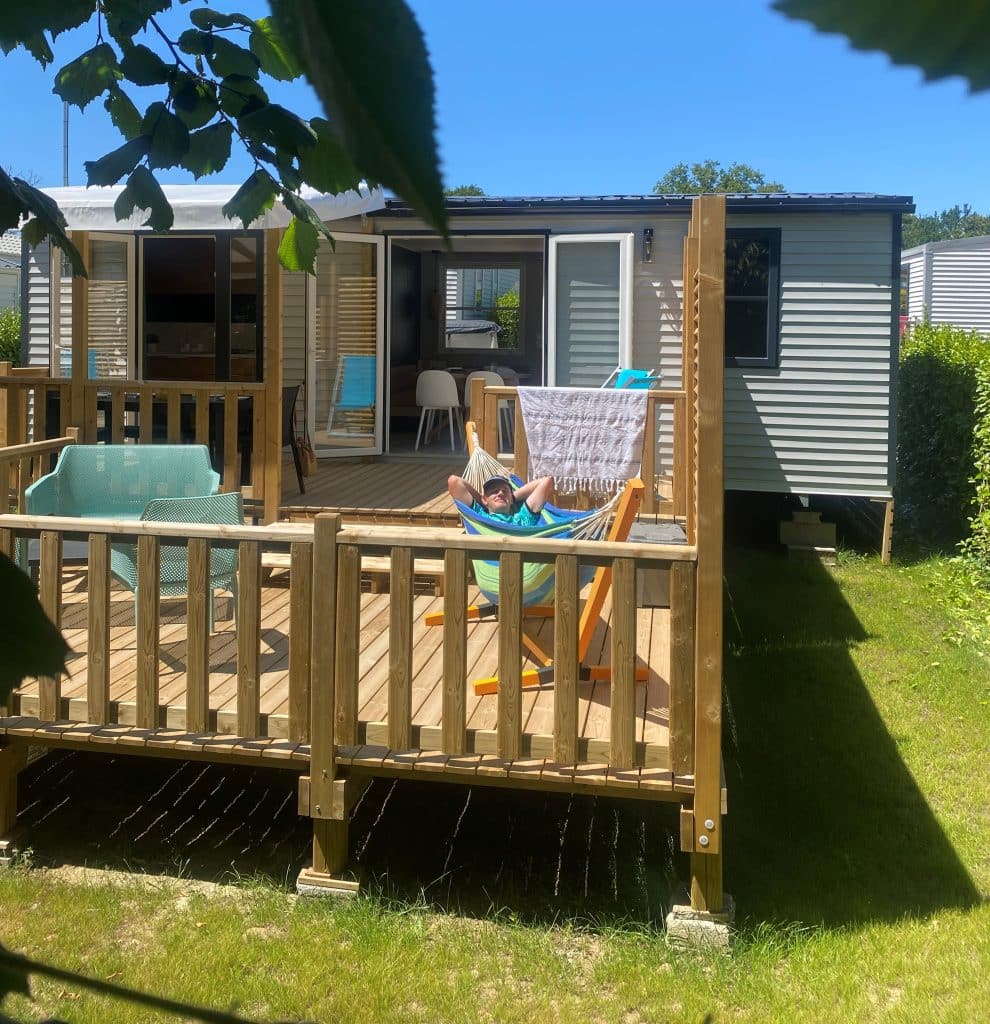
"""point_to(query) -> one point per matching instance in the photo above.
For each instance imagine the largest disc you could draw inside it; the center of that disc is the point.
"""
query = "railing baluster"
(258, 414)
(202, 418)
(90, 413)
(520, 462)
(231, 463)
(147, 605)
(400, 650)
(50, 592)
(565, 660)
(300, 639)
(248, 638)
(509, 740)
(682, 644)
(198, 602)
(622, 731)
(117, 399)
(348, 629)
(146, 403)
(453, 722)
(98, 647)
(174, 414)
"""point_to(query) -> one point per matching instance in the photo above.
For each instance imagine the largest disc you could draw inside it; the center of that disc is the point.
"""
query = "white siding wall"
(915, 264)
(960, 288)
(820, 423)
(294, 337)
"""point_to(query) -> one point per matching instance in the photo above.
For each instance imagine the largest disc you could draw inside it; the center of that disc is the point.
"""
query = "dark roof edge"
(781, 202)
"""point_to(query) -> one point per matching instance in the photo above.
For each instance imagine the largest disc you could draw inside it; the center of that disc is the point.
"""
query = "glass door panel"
(343, 396)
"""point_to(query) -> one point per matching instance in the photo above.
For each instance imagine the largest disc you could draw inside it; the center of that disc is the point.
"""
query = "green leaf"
(252, 199)
(387, 131)
(26, 24)
(13, 977)
(126, 18)
(144, 193)
(277, 127)
(297, 250)
(275, 52)
(109, 169)
(194, 101)
(204, 18)
(228, 58)
(31, 644)
(301, 210)
(169, 137)
(90, 75)
(925, 33)
(209, 149)
(124, 115)
(144, 67)
(195, 43)
(326, 166)
(240, 95)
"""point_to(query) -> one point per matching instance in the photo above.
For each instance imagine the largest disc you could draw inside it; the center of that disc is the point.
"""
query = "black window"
(752, 296)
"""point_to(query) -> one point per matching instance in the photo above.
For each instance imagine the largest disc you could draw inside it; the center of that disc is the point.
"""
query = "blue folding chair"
(631, 380)
(354, 388)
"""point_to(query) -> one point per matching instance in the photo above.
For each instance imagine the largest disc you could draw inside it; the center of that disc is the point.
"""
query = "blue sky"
(546, 97)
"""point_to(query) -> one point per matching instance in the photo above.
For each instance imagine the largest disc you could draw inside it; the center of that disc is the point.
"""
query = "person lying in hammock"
(521, 506)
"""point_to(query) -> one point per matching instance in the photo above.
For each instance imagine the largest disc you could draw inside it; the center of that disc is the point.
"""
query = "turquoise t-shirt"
(522, 516)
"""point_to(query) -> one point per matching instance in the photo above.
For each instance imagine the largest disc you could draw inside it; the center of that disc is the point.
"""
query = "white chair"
(436, 391)
(493, 380)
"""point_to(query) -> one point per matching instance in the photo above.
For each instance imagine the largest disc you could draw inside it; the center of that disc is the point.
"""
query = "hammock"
(538, 577)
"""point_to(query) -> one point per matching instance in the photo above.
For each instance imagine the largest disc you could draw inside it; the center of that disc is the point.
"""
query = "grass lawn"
(857, 729)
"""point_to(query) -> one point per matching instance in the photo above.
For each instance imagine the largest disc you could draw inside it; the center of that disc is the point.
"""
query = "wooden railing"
(22, 464)
(667, 491)
(326, 620)
(231, 418)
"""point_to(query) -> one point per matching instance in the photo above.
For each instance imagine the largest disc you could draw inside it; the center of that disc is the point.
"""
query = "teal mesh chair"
(116, 481)
(225, 508)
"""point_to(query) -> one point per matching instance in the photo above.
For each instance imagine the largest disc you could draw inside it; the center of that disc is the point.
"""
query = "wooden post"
(324, 624)
(273, 376)
(400, 649)
(565, 660)
(509, 739)
(706, 887)
(50, 593)
(325, 794)
(80, 340)
(248, 638)
(147, 613)
(198, 602)
(300, 640)
(12, 760)
(454, 716)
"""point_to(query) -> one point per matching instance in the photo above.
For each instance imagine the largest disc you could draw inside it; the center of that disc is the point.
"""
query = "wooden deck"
(400, 485)
(652, 649)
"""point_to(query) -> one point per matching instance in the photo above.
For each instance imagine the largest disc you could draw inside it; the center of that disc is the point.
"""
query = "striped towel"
(587, 439)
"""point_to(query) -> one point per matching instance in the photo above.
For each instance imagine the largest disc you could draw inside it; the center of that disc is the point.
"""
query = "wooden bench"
(376, 567)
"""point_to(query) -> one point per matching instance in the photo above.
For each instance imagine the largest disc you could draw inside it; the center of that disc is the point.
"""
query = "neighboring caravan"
(568, 287)
(948, 283)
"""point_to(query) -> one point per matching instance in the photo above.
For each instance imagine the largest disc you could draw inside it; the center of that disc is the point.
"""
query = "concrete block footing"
(699, 929)
(312, 883)
(805, 530)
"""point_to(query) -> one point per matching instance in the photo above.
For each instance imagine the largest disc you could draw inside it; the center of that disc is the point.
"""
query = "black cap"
(496, 481)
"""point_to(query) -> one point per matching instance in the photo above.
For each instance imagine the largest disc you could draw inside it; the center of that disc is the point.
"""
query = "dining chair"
(290, 394)
(493, 380)
(436, 391)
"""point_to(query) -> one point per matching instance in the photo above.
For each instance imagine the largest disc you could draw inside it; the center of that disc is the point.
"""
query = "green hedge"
(938, 418)
(10, 336)
(978, 544)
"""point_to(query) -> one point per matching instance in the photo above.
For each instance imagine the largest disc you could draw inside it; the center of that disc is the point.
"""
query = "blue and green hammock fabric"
(537, 577)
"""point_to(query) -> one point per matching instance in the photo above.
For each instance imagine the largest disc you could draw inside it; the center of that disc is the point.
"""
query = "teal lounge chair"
(354, 388)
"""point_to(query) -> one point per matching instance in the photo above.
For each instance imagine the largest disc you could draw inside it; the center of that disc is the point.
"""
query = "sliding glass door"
(346, 328)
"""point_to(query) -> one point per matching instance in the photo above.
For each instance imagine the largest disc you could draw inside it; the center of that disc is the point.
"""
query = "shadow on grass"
(826, 823)
(532, 856)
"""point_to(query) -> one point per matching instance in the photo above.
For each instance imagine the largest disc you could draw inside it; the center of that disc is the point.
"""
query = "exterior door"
(344, 360)
(589, 308)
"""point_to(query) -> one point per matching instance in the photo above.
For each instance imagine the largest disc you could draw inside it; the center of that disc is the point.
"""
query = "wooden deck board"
(373, 644)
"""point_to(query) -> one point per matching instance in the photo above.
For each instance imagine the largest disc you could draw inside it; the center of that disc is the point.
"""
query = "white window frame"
(625, 240)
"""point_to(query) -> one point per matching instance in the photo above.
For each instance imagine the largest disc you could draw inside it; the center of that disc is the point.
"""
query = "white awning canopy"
(199, 207)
